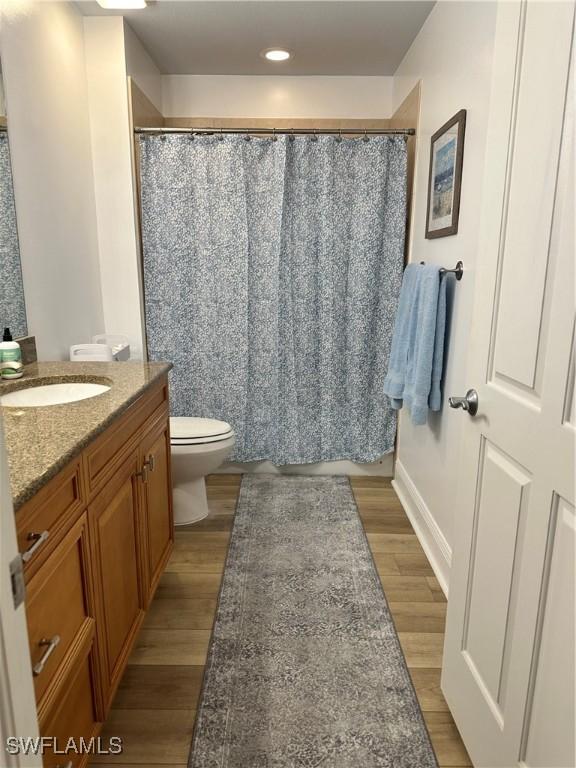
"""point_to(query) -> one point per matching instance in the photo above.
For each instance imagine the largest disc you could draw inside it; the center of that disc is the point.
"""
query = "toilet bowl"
(198, 446)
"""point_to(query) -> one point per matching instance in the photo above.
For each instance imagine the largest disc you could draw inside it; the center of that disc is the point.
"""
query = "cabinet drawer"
(59, 608)
(107, 451)
(43, 520)
(73, 717)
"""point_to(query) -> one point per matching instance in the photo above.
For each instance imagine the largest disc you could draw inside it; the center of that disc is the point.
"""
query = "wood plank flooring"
(417, 605)
(155, 707)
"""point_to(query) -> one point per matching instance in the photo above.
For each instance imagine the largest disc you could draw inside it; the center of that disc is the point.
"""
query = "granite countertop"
(41, 441)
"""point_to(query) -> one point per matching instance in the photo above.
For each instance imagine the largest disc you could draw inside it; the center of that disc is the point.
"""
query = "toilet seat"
(192, 430)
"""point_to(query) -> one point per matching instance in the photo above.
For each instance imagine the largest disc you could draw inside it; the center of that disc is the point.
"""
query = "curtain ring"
(274, 137)
(291, 137)
(247, 137)
(365, 135)
(191, 136)
(339, 137)
(221, 136)
(315, 135)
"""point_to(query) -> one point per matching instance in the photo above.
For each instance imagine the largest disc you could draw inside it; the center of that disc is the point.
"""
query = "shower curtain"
(272, 270)
(12, 305)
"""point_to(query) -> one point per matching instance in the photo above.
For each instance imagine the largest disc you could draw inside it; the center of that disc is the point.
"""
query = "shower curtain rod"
(285, 131)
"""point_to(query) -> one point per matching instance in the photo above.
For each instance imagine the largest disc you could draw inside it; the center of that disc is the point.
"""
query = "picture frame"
(445, 177)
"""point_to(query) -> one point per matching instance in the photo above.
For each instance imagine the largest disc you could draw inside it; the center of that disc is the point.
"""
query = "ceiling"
(325, 37)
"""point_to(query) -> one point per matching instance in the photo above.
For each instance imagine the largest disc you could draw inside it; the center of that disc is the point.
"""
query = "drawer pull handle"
(68, 765)
(38, 539)
(143, 473)
(150, 462)
(50, 646)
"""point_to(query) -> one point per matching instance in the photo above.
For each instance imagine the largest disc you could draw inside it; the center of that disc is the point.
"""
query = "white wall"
(113, 181)
(276, 96)
(452, 56)
(44, 76)
(142, 68)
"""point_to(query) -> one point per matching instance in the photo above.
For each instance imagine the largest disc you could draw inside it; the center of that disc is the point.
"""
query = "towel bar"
(458, 270)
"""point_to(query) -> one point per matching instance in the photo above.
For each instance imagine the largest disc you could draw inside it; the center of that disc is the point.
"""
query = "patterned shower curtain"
(12, 306)
(272, 271)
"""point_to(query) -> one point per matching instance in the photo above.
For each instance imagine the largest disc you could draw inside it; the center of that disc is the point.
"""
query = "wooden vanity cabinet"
(97, 539)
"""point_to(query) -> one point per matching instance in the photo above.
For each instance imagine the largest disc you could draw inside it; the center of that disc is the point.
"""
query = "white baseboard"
(429, 534)
(382, 468)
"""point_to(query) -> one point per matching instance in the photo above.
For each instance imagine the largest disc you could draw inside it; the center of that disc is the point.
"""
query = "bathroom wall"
(141, 68)
(2, 100)
(42, 48)
(111, 136)
(452, 57)
(276, 96)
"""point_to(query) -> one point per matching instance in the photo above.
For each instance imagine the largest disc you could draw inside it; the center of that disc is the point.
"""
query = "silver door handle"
(468, 403)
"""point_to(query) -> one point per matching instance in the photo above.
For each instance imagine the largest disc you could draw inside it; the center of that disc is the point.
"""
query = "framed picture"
(445, 177)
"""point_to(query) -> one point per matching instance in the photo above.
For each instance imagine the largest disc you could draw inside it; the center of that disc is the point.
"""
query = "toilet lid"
(186, 430)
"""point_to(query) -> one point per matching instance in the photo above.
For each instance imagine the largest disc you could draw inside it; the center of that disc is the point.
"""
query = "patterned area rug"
(305, 667)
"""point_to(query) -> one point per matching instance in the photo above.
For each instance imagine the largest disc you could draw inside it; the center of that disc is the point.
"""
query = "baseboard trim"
(382, 468)
(426, 528)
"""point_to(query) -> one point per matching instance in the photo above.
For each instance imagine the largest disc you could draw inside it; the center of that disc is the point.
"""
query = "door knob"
(468, 403)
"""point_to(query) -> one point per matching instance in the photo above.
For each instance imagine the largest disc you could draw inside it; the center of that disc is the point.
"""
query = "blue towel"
(417, 353)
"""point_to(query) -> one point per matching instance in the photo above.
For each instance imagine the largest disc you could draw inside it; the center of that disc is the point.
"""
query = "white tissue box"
(118, 343)
(103, 348)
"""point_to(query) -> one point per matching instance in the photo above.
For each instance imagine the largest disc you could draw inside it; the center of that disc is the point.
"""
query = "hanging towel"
(417, 354)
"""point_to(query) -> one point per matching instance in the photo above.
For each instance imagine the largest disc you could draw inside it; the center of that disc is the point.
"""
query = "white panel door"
(17, 704)
(508, 671)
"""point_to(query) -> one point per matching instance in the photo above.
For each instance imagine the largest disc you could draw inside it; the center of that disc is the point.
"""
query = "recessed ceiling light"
(122, 5)
(276, 54)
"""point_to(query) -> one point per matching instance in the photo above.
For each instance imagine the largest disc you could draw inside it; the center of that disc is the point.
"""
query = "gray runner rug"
(305, 667)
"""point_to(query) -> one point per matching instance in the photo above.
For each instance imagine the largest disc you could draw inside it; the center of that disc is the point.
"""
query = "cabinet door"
(115, 523)
(73, 717)
(157, 496)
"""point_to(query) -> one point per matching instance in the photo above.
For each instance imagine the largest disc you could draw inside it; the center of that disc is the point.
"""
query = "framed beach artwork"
(445, 177)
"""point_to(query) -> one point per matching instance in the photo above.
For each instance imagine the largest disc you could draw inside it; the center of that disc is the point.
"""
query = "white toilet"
(198, 447)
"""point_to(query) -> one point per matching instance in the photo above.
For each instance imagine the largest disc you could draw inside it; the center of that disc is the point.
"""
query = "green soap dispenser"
(11, 354)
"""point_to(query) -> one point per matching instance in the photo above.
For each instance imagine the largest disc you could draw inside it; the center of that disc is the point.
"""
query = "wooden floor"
(154, 709)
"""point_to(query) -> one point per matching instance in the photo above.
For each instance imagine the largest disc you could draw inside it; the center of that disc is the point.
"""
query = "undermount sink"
(52, 394)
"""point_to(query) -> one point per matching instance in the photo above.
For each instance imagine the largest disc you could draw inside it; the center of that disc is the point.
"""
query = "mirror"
(12, 306)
